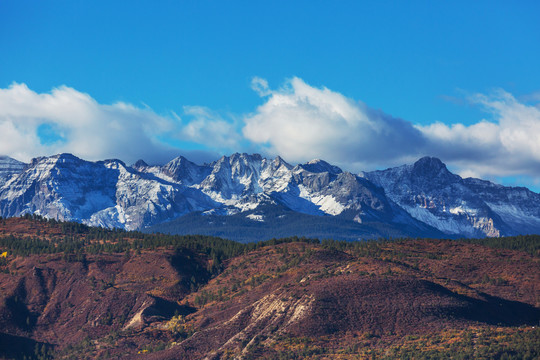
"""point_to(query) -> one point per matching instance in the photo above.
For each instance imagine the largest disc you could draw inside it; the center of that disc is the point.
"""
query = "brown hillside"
(26, 228)
(293, 300)
(305, 292)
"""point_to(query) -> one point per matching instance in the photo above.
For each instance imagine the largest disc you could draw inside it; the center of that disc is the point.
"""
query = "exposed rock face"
(424, 196)
(305, 304)
(109, 193)
(106, 193)
(51, 296)
(466, 207)
(518, 207)
(9, 167)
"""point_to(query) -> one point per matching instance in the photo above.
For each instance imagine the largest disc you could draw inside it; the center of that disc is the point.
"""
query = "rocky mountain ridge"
(424, 199)
(467, 207)
(9, 166)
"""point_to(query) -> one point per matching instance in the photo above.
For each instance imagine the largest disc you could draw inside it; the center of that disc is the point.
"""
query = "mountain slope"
(79, 292)
(276, 221)
(105, 193)
(465, 207)
(9, 167)
(423, 199)
(109, 193)
(517, 206)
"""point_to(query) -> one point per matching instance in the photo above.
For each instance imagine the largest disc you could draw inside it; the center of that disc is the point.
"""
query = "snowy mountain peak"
(320, 166)
(420, 197)
(430, 167)
(140, 164)
(471, 207)
(184, 171)
(279, 164)
(8, 160)
(64, 158)
(278, 161)
(179, 162)
(9, 167)
(245, 157)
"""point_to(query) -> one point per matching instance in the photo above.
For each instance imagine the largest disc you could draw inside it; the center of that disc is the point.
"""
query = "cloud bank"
(303, 122)
(508, 145)
(71, 121)
(208, 127)
(66, 120)
(297, 121)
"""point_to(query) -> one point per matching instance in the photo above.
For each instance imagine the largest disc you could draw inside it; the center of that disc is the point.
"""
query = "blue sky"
(179, 77)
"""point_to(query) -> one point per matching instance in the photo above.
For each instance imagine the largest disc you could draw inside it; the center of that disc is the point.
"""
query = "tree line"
(79, 239)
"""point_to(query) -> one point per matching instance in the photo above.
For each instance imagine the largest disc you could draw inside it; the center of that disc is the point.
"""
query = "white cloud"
(297, 121)
(87, 129)
(260, 86)
(302, 122)
(507, 145)
(519, 124)
(96, 131)
(208, 127)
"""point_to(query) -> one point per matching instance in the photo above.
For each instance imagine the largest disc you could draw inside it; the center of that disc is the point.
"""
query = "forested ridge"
(76, 238)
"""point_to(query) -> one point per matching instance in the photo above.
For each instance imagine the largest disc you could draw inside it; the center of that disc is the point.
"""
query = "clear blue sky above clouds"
(178, 77)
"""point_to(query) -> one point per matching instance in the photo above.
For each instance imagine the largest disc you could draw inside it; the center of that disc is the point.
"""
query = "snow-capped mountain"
(467, 207)
(105, 193)
(9, 167)
(423, 198)
(518, 207)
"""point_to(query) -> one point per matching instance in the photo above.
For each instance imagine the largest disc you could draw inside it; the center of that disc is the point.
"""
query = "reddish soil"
(274, 299)
(24, 228)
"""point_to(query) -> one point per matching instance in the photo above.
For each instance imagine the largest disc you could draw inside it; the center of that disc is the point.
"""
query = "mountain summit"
(9, 166)
(263, 195)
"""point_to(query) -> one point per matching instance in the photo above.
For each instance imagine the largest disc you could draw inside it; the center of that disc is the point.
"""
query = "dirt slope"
(294, 300)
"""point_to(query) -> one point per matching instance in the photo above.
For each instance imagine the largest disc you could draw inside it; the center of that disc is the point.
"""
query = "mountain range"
(248, 197)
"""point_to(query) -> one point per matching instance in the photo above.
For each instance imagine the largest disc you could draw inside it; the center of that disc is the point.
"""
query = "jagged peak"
(228, 161)
(430, 161)
(181, 168)
(54, 158)
(5, 158)
(319, 166)
(179, 160)
(180, 163)
(114, 164)
(70, 158)
(10, 166)
(66, 156)
(246, 156)
(140, 164)
(431, 167)
(278, 161)
(36, 160)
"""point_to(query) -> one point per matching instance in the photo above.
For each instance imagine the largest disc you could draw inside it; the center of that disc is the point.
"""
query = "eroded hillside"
(69, 291)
